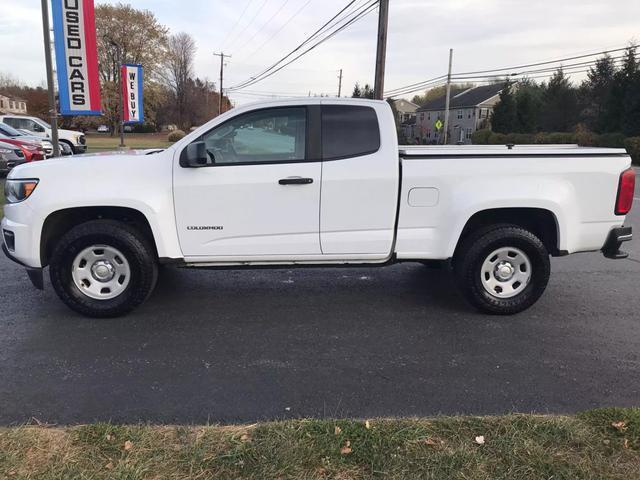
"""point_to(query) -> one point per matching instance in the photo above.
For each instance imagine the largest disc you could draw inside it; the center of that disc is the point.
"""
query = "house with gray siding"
(469, 110)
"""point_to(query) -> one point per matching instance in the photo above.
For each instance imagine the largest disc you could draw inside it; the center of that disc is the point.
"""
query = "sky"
(484, 34)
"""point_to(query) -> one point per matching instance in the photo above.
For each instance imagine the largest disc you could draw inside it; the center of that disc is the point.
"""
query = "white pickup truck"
(313, 182)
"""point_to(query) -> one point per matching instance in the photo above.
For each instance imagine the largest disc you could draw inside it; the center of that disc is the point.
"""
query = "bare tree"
(126, 35)
(178, 73)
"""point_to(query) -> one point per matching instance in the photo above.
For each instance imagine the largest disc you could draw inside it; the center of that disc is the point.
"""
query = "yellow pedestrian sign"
(438, 124)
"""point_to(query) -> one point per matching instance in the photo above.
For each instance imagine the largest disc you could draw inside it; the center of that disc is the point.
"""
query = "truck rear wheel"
(103, 268)
(502, 270)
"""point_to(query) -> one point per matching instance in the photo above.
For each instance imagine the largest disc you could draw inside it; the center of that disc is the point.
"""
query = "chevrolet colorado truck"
(313, 182)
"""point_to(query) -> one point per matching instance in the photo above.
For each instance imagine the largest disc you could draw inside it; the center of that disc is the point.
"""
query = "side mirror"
(38, 128)
(194, 156)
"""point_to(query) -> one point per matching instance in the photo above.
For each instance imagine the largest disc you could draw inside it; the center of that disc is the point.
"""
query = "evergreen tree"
(528, 104)
(630, 111)
(357, 93)
(595, 93)
(504, 116)
(559, 104)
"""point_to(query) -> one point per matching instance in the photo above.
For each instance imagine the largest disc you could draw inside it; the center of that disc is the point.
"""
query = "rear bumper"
(616, 238)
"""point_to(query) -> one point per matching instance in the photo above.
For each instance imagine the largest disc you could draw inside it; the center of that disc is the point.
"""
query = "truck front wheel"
(103, 268)
(502, 270)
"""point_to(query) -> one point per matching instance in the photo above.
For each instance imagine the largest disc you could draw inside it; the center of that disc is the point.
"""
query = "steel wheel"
(101, 272)
(506, 272)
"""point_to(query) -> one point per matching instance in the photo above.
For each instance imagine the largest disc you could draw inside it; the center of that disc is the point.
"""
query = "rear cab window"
(349, 131)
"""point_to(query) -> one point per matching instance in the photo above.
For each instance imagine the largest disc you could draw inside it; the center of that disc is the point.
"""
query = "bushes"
(144, 128)
(175, 135)
(613, 140)
(632, 144)
(481, 137)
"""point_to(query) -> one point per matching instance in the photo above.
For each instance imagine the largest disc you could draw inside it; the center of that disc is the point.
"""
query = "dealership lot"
(229, 346)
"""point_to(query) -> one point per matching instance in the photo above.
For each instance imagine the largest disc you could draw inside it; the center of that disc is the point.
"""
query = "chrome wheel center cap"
(103, 271)
(504, 271)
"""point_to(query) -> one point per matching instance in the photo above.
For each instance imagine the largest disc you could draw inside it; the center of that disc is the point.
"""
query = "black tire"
(475, 249)
(137, 250)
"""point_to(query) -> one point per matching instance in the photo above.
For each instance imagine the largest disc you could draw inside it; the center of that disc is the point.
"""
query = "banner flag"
(74, 33)
(132, 93)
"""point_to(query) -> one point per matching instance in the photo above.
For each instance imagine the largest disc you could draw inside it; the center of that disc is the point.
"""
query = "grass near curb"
(104, 142)
(598, 444)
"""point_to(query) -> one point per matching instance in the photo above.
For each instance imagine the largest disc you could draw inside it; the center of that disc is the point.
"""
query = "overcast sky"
(484, 34)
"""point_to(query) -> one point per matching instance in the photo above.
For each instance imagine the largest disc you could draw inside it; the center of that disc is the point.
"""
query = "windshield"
(9, 131)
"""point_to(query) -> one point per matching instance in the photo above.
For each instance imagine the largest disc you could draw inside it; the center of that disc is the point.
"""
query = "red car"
(31, 150)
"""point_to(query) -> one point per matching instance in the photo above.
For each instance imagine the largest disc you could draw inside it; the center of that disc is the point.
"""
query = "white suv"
(75, 140)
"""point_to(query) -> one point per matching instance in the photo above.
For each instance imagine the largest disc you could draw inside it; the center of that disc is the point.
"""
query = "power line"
(278, 31)
(264, 25)
(542, 63)
(244, 10)
(275, 68)
(244, 29)
(469, 75)
(299, 46)
(616, 60)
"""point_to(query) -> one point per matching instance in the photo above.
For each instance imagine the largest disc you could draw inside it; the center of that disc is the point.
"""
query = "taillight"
(626, 187)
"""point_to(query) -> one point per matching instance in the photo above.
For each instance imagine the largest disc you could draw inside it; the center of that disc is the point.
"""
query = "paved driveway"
(243, 346)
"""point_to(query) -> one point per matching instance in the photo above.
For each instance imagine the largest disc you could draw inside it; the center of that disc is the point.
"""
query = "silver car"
(10, 156)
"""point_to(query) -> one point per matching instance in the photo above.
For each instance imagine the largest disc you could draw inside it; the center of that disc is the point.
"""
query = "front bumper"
(616, 238)
(35, 274)
(78, 149)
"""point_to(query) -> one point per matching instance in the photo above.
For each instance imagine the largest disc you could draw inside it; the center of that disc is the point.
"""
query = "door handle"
(295, 181)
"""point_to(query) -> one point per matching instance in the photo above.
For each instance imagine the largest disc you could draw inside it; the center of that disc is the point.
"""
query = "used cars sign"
(76, 57)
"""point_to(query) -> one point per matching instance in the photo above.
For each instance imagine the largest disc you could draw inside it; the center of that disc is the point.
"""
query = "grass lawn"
(97, 142)
(598, 444)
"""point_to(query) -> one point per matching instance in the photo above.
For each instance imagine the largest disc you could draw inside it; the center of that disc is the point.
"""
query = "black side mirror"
(194, 156)
(38, 128)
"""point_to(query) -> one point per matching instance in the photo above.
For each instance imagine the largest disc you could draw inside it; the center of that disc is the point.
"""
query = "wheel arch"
(61, 221)
(540, 221)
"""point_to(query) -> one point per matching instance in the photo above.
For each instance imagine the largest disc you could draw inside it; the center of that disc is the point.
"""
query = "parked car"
(231, 197)
(103, 129)
(75, 140)
(7, 131)
(10, 156)
(32, 151)
(65, 149)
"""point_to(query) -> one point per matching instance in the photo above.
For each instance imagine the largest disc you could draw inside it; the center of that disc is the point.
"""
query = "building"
(405, 110)
(10, 104)
(405, 116)
(469, 110)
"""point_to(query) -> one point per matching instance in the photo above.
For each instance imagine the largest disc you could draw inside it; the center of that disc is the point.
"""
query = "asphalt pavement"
(243, 346)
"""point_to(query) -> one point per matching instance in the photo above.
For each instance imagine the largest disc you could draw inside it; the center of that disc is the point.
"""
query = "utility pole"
(381, 54)
(120, 98)
(340, 84)
(448, 99)
(53, 110)
(222, 56)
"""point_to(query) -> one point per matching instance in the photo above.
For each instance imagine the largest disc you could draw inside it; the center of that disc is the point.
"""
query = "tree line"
(173, 93)
(606, 102)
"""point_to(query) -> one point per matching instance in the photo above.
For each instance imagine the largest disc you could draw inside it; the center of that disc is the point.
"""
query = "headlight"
(5, 150)
(18, 190)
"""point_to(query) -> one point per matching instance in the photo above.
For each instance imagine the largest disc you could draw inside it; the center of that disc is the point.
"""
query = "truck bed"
(444, 186)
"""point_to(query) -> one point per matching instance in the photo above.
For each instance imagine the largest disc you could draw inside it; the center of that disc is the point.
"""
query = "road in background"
(241, 346)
